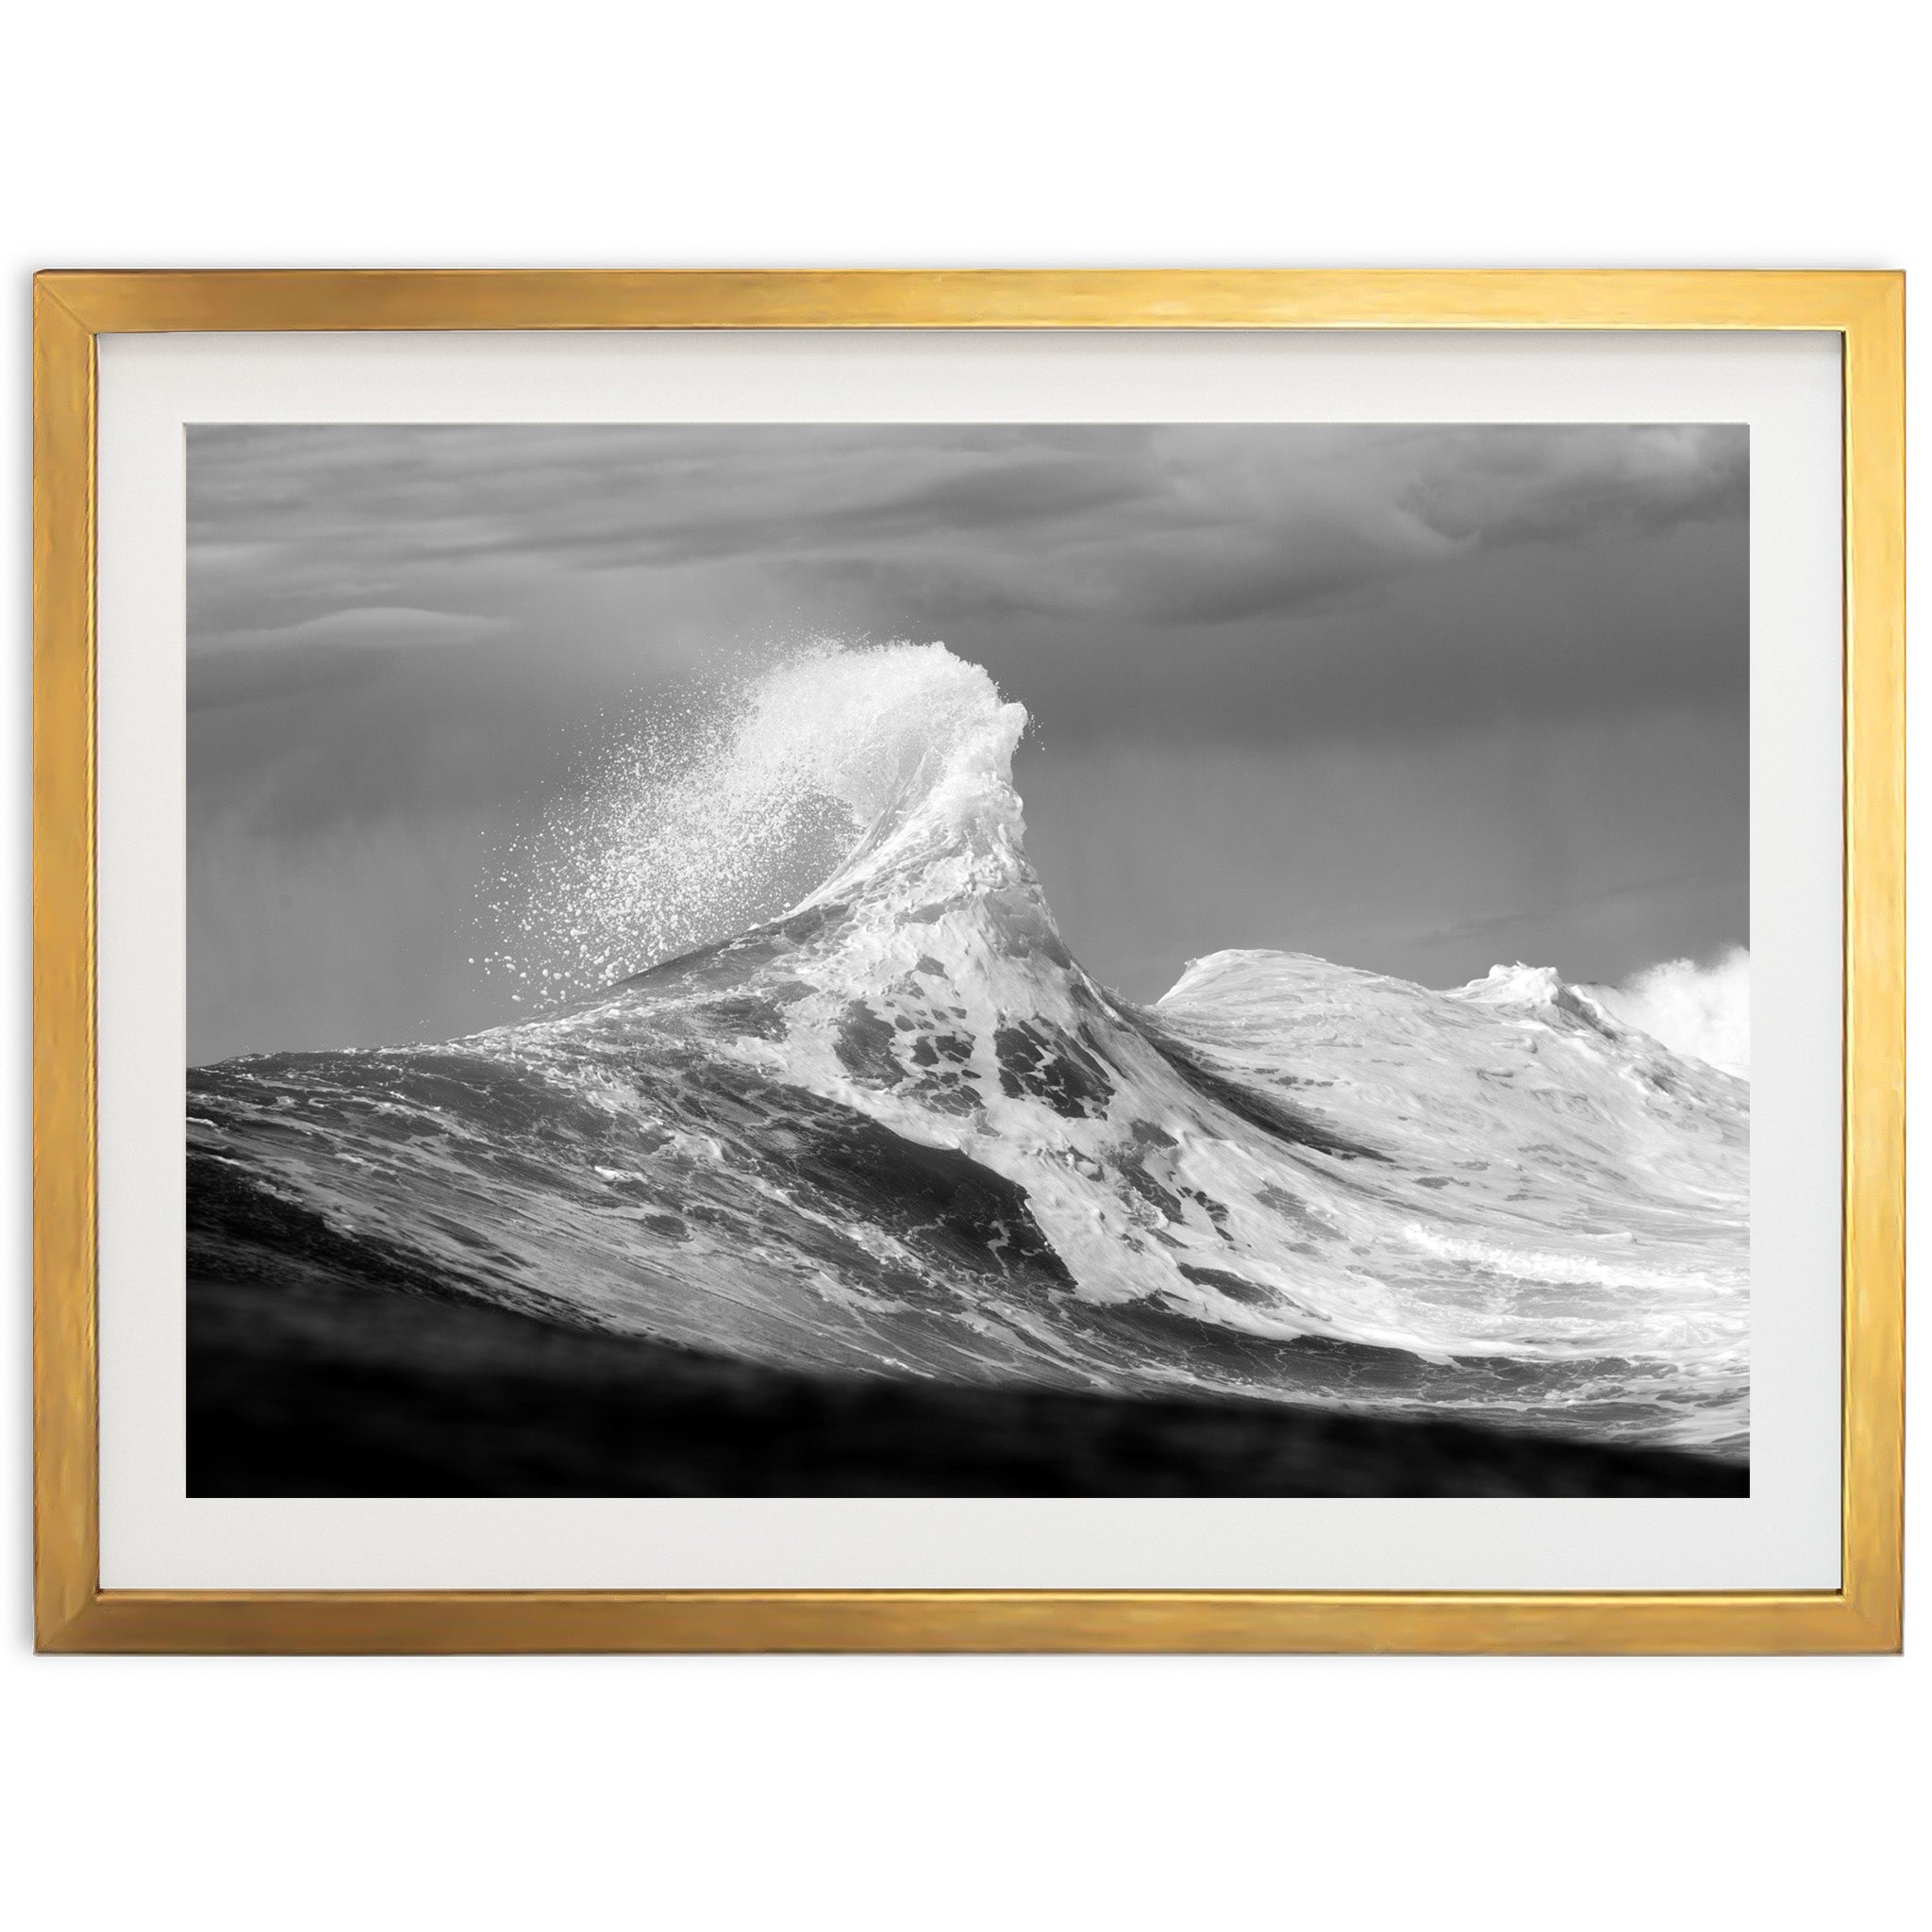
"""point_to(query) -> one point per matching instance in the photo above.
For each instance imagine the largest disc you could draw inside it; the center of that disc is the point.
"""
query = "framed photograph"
(985, 962)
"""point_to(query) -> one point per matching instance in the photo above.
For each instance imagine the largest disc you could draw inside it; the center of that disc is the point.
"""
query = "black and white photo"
(883, 959)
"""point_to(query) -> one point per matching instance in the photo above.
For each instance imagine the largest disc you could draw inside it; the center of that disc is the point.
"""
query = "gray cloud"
(1162, 526)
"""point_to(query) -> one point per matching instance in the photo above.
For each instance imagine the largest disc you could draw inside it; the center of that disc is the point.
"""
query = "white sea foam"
(1701, 1010)
(1516, 1264)
(733, 800)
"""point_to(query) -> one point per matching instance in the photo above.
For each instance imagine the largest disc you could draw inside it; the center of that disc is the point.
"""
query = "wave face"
(899, 1129)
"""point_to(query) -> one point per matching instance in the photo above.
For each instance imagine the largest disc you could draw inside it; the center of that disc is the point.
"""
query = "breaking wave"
(722, 803)
(871, 1114)
(1701, 1010)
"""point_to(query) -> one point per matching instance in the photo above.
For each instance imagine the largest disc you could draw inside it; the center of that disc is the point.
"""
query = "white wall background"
(1355, 1791)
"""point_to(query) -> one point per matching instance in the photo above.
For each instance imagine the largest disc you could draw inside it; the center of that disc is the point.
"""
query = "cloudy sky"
(1416, 698)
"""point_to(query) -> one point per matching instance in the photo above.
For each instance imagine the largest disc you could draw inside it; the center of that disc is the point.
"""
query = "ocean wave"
(872, 1113)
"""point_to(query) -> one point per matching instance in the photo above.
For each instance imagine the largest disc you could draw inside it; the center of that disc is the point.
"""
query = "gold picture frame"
(74, 1613)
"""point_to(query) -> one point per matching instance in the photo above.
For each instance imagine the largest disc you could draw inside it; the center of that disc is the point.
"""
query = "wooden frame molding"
(72, 1613)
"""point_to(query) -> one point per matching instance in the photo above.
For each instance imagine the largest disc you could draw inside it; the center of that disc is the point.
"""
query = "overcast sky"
(1416, 698)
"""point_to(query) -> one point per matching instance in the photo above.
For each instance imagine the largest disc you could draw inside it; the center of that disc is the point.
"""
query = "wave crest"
(744, 796)
(1701, 1010)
